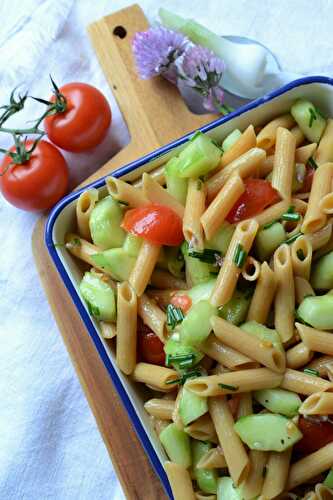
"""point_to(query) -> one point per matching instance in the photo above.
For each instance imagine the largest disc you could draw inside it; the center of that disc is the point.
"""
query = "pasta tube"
(263, 295)
(123, 191)
(143, 267)
(298, 356)
(277, 469)
(302, 383)
(316, 340)
(285, 293)
(314, 218)
(324, 152)
(126, 328)
(225, 355)
(268, 135)
(310, 466)
(246, 142)
(180, 481)
(301, 257)
(213, 459)
(284, 160)
(84, 206)
(152, 316)
(320, 403)
(160, 408)
(157, 194)
(155, 376)
(194, 209)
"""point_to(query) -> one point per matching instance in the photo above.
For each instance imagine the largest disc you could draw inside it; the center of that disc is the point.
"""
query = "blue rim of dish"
(139, 428)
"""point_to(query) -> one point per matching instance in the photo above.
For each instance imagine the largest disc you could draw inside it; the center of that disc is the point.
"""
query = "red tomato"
(155, 223)
(315, 435)
(38, 183)
(184, 302)
(258, 195)
(84, 123)
(150, 347)
(306, 188)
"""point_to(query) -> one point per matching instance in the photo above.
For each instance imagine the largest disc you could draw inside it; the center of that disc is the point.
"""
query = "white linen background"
(50, 447)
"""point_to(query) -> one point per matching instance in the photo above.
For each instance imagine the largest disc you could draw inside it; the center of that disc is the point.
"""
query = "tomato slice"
(155, 223)
(184, 302)
(306, 188)
(316, 434)
(151, 349)
(258, 195)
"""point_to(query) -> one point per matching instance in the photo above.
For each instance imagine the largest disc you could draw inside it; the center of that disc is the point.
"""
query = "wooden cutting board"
(155, 115)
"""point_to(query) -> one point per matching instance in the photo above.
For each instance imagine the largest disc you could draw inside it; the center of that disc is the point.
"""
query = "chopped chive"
(187, 363)
(185, 376)
(288, 216)
(310, 371)
(208, 255)
(270, 224)
(228, 387)
(312, 163)
(293, 238)
(240, 255)
(122, 202)
(181, 358)
(300, 254)
(195, 135)
(319, 113)
(313, 116)
(291, 209)
(175, 315)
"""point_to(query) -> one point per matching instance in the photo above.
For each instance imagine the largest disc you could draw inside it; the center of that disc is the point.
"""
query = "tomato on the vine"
(316, 434)
(83, 118)
(38, 182)
(150, 346)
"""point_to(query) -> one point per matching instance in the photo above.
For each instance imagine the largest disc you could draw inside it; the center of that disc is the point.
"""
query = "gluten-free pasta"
(211, 278)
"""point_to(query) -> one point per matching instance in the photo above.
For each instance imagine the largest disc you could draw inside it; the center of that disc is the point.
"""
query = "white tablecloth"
(50, 447)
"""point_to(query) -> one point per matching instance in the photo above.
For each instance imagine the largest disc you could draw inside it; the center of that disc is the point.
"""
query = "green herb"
(208, 255)
(93, 310)
(270, 224)
(174, 316)
(313, 116)
(121, 202)
(291, 209)
(310, 371)
(240, 255)
(195, 135)
(228, 387)
(179, 358)
(300, 254)
(319, 113)
(288, 216)
(312, 163)
(293, 238)
(185, 376)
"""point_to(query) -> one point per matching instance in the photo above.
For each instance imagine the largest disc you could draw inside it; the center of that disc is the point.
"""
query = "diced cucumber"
(206, 479)
(196, 327)
(177, 445)
(329, 480)
(267, 240)
(322, 273)
(235, 310)
(267, 432)
(221, 239)
(104, 223)
(132, 245)
(176, 186)
(202, 291)
(99, 296)
(174, 347)
(309, 119)
(196, 271)
(263, 333)
(191, 406)
(231, 139)
(227, 491)
(198, 158)
(116, 261)
(279, 401)
(317, 311)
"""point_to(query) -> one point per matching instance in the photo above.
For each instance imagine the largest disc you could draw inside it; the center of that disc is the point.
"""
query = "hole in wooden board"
(120, 31)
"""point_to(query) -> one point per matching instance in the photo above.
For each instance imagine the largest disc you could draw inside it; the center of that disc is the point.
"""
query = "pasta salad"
(213, 277)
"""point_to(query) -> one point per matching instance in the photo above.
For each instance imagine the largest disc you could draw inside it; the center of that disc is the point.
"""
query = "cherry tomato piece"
(85, 121)
(156, 223)
(183, 301)
(258, 195)
(151, 349)
(38, 183)
(306, 188)
(315, 435)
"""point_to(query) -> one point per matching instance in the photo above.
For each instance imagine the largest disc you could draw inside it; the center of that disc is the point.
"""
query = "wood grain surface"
(155, 115)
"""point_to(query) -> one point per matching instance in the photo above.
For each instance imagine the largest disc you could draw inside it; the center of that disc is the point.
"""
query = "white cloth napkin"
(50, 447)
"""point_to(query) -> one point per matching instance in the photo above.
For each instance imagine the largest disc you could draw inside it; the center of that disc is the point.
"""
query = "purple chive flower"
(156, 50)
(202, 70)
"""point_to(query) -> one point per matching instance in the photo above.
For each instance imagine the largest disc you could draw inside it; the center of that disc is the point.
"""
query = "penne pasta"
(217, 211)
(202, 429)
(242, 239)
(144, 265)
(126, 328)
(302, 289)
(160, 408)
(272, 213)
(155, 376)
(284, 160)
(296, 381)
(194, 209)
(314, 218)
(320, 365)
(321, 240)
(320, 403)
(246, 165)
(125, 192)
(157, 174)
(108, 330)
(251, 269)
(285, 293)
(304, 153)
(324, 152)
(83, 250)
(234, 382)
(263, 295)
(326, 204)
(316, 340)
(310, 466)
(277, 469)
(180, 481)
(263, 352)
(252, 485)
(233, 448)
(301, 257)
(267, 136)
(226, 355)
(298, 134)
(155, 193)
(298, 356)
(164, 280)
(213, 459)
(85, 205)
(152, 316)
(246, 142)
(245, 405)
